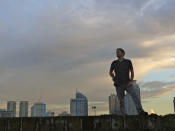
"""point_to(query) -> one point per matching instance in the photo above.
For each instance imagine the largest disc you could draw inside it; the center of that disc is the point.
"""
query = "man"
(120, 71)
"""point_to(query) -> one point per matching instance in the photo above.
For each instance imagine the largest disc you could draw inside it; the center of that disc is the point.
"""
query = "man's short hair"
(122, 50)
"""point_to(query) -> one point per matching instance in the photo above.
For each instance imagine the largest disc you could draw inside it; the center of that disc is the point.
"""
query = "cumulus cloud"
(54, 47)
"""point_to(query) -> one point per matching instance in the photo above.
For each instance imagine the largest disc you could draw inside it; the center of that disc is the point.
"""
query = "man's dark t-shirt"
(121, 70)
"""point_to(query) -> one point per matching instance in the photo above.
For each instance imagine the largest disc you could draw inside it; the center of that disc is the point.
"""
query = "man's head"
(120, 52)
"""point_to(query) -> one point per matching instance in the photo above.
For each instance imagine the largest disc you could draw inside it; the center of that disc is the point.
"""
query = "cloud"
(54, 47)
(156, 88)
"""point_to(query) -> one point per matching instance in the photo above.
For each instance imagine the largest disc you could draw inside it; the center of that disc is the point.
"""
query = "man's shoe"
(143, 113)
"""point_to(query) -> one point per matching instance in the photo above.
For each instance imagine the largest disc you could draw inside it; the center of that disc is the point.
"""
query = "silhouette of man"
(120, 71)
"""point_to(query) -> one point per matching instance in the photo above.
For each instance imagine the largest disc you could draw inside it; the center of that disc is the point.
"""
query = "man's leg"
(131, 91)
(120, 95)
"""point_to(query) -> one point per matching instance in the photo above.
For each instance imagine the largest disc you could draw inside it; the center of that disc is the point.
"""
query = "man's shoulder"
(114, 61)
(127, 60)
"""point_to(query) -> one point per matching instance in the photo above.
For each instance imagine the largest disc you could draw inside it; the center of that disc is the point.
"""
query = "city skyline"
(11, 109)
(50, 48)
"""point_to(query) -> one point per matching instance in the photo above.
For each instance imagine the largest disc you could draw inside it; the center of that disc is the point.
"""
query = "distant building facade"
(114, 105)
(23, 109)
(50, 114)
(130, 107)
(64, 113)
(38, 110)
(11, 107)
(5, 113)
(79, 105)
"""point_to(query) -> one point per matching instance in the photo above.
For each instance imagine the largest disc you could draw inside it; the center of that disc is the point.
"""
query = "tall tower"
(11, 106)
(114, 105)
(130, 107)
(79, 105)
(23, 109)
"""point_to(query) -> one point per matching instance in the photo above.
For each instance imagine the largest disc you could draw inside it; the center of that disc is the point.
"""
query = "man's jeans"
(121, 93)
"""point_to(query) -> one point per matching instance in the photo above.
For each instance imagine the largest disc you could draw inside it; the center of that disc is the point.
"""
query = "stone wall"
(90, 123)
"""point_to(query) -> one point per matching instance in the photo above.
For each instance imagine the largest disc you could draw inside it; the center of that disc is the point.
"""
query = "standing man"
(120, 71)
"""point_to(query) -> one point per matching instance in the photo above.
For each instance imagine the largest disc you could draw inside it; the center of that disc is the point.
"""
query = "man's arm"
(131, 69)
(111, 71)
(132, 73)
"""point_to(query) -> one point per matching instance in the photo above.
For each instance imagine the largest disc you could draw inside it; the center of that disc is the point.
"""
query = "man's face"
(119, 54)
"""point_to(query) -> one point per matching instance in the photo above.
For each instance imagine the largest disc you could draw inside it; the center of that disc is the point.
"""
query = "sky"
(50, 48)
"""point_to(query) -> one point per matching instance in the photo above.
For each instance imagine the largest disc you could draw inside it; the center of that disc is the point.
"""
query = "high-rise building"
(130, 107)
(114, 105)
(11, 106)
(38, 110)
(23, 109)
(79, 105)
(174, 104)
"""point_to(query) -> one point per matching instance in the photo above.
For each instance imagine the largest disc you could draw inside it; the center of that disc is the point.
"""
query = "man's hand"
(113, 78)
(112, 75)
(130, 83)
